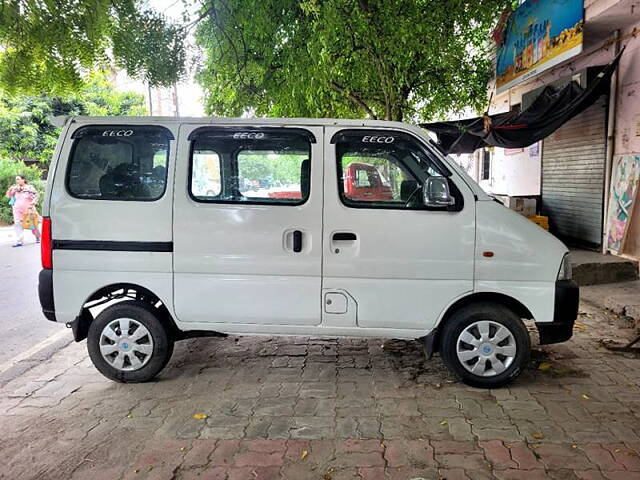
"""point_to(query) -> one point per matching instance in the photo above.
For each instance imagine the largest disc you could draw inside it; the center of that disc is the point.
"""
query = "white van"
(180, 228)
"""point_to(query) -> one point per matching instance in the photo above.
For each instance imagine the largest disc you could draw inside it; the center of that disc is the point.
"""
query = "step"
(593, 268)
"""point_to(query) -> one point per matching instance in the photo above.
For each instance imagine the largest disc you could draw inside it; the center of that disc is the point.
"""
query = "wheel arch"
(117, 291)
(432, 341)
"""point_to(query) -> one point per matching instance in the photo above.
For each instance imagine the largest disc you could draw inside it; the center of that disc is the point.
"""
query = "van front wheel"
(127, 343)
(485, 345)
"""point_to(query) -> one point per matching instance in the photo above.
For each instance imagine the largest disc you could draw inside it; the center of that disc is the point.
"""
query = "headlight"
(565, 268)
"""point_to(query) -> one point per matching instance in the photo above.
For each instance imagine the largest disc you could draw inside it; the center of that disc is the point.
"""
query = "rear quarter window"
(118, 163)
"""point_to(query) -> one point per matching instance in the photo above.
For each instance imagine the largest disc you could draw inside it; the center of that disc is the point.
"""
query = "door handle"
(297, 241)
(344, 236)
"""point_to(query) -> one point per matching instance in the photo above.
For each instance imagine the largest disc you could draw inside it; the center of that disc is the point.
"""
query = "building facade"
(582, 174)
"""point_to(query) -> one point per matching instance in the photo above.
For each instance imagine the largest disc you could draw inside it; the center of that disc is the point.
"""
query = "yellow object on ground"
(540, 220)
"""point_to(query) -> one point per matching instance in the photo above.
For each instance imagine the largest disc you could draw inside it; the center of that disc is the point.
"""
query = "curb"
(39, 353)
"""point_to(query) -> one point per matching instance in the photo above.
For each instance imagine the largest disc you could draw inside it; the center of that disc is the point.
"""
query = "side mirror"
(435, 192)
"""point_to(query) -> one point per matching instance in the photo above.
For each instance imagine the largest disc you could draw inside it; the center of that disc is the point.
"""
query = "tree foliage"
(45, 46)
(391, 59)
(26, 131)
(388, 59)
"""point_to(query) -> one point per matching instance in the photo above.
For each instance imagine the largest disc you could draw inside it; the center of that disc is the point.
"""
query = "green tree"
(389, 59)
(26, 131)
(46, 45)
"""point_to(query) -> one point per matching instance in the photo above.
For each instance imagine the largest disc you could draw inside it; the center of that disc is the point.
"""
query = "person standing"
(24, 198)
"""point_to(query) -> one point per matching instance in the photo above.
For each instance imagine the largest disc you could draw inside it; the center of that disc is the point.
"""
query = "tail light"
(46, 245)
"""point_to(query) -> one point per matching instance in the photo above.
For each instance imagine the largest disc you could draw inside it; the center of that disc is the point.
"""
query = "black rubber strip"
(113, 246)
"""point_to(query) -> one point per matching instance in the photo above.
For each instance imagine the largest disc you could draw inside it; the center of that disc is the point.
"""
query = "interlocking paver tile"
(303, 408)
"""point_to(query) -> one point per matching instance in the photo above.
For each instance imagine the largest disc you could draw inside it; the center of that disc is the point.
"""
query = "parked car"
(428, 256)
(364, 182)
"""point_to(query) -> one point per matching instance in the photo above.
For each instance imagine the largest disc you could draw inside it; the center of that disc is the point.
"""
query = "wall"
(627, 138)
(516, 172)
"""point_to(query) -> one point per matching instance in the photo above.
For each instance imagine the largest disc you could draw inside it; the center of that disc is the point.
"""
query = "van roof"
(61, 120)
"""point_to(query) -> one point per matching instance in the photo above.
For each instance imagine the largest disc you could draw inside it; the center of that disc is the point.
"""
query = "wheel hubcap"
(486, 348)
(126, 344)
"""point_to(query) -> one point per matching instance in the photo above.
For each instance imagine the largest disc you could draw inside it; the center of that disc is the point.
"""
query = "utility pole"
(150, 101)
(175, 99)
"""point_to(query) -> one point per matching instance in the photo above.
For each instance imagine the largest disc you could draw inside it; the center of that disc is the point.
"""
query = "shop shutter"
(573, 160)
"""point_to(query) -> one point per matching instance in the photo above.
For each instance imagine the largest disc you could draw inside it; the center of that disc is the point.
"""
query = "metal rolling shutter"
(573, 160)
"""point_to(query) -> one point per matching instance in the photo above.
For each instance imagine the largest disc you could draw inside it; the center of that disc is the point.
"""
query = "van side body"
(277, 239)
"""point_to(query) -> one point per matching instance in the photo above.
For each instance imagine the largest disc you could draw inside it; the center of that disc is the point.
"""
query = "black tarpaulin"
(550, 110)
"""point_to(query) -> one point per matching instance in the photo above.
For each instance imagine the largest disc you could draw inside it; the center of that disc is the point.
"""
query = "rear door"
(247, 228)
(110, 207)
(390, 263)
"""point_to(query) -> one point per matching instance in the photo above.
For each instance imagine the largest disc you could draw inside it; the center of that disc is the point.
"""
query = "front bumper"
(565, 312)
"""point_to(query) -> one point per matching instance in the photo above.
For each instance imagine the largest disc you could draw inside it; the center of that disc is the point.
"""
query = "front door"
(389, 262)
(247, 225)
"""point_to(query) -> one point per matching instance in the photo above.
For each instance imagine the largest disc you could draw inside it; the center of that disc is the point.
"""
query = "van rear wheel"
(486, 345)
(127, 343)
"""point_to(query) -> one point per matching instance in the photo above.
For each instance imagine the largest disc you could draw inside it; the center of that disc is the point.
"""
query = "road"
(22, 325)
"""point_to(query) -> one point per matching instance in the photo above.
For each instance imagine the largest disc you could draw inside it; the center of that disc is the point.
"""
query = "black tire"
(144, 314)
(496, 313)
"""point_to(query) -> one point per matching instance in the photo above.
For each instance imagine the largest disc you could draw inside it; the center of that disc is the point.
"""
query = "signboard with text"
(539, 35)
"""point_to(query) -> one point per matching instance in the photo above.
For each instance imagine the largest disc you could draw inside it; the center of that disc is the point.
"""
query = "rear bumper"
(565, 312)
(45, 292)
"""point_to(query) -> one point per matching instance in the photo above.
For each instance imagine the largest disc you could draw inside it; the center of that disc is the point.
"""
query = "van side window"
(381, 169)
(252, 165)
(118, 163)
(205, 174)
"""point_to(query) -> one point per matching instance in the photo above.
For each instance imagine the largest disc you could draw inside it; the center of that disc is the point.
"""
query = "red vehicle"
(362, 181)
(285, 194)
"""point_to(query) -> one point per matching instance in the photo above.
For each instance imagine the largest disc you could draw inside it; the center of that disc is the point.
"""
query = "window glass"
(378, 172)
(268, 174)
(205, 174)
(130, 166)
(270, 166)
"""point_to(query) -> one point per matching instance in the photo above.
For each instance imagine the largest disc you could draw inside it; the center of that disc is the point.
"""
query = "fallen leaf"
(382, 445)
(444, 422)
(304, 454)
(580, 325)
(538, 435)
(200, 416)
(585, 396)
(544, 366)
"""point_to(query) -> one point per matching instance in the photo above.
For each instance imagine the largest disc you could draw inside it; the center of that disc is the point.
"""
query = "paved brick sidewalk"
(327, 409)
